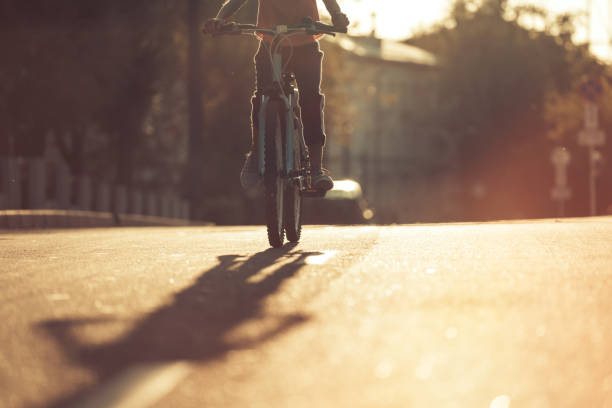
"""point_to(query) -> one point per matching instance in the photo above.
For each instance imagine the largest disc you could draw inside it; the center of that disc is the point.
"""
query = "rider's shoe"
(249, 176)
(321, 180)
(320, 177)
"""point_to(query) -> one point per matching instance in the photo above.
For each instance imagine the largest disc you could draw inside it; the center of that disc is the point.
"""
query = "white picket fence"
(46, 183)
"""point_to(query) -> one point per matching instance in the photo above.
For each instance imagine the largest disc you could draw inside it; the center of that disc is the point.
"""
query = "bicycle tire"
(274, 181)
(293, 198)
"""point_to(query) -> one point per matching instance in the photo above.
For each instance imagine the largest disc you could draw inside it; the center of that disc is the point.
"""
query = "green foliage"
(495, 82)
(113, 82)
(84, 72)
(495, 75)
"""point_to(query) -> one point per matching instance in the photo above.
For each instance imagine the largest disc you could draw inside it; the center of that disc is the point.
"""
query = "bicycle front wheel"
(274, 181)
(293, 198)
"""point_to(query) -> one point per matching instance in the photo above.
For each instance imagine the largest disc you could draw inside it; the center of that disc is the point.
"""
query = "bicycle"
(282, 158)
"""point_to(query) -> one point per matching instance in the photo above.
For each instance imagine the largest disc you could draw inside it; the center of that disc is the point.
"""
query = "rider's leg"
(307, 63)
(263, 76)
(249, 176)
(255, 104)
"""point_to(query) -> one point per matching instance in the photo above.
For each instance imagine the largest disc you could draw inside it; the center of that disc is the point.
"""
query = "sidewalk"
(40, 219)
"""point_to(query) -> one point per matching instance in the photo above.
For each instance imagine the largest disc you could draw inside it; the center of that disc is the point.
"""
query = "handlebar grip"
(227, 28)
(319, 32)
(246, 26)
(330, 28)
(231, 26)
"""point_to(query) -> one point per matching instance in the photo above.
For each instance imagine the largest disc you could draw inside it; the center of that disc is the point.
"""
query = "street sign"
(560, 156)
(591, 89)
(592, 138)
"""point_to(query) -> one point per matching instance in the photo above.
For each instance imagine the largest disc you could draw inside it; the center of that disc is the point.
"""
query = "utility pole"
(560, 193)
(592, 137)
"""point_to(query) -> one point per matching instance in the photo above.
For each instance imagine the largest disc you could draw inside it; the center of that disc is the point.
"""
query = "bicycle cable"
(283, 37)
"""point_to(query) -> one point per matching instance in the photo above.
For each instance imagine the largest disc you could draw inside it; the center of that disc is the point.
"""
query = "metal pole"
(593, 188)
(378, 139)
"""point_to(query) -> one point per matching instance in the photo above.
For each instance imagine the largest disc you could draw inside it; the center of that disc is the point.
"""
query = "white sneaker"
(321, 180)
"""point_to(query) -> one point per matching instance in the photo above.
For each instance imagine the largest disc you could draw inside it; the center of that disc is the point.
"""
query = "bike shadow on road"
(195, 325)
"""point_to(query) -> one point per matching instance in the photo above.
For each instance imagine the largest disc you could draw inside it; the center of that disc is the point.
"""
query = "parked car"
(344, 204)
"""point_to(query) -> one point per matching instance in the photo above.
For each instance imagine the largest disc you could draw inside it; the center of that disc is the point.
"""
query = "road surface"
(465, 315)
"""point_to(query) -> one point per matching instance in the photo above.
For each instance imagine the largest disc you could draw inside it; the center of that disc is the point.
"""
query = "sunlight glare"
(320, 259)
(398, 20)
(503, 401)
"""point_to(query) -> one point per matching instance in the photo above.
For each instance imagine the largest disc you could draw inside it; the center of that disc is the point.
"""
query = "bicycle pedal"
(314, 193)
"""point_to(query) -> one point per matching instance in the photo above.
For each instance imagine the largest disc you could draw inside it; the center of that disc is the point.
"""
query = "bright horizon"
(398, 21)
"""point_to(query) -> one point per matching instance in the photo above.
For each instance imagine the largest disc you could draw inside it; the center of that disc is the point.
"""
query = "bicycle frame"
(288, 101)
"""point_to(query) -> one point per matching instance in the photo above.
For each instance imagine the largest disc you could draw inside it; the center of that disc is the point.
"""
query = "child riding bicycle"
(305, 63)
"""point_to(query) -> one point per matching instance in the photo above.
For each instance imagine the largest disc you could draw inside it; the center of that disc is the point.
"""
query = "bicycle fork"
(289, 139)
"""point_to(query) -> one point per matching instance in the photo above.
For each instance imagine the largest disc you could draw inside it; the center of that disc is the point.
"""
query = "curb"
(41, 219)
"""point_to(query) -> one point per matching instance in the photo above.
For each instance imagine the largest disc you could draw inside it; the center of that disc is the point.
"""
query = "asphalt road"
(467, 315)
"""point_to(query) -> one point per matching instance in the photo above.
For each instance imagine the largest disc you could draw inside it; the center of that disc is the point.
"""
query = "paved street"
(465, 315)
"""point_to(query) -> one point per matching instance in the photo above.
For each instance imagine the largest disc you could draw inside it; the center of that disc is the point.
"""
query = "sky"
(399, 18)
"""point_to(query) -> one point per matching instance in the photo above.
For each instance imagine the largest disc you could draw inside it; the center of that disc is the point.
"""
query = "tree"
(495, 81)
(75, 65)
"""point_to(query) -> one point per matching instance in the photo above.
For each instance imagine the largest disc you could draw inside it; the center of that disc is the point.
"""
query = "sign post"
(560, 159)
(592, 137)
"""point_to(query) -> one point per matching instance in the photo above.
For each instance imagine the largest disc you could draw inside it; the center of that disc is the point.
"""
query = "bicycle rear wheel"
(274, 181)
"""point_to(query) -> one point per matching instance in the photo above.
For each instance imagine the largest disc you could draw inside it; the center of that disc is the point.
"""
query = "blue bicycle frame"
(288, 101)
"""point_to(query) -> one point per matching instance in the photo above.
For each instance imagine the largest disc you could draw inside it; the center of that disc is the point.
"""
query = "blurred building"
(388, 138)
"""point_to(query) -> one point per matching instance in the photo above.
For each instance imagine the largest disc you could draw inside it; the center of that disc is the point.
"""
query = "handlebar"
(308, 26)
(322, 27)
